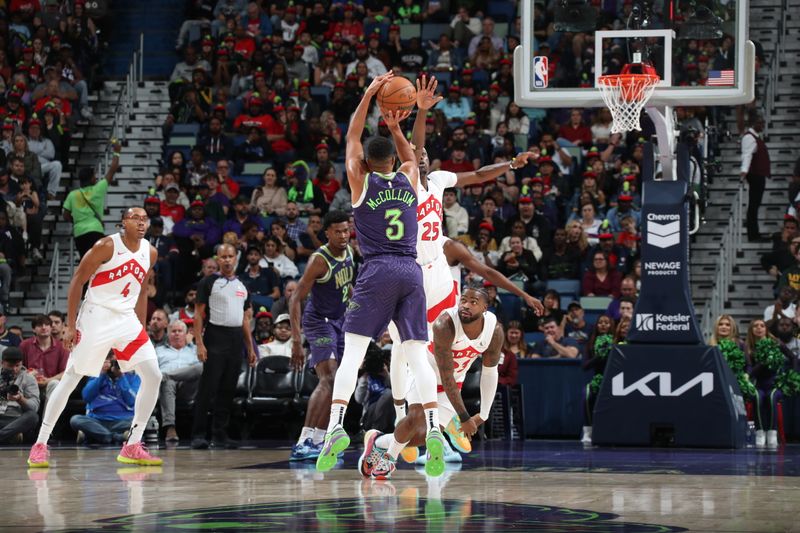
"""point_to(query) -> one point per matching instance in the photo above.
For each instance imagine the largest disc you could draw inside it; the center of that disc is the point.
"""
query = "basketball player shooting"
(389, 286)
(113, 316)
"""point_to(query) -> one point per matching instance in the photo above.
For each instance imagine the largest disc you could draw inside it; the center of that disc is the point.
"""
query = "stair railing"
(729, 249)
(52, 300)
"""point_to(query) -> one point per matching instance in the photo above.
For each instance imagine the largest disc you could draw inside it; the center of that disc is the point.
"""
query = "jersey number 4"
(431, 231)
(126, 290)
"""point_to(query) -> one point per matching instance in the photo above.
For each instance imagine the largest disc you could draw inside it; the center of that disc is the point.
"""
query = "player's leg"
(139, 355)
(589, 399)
(398, 372)
(774, 398)
(761, 413)
(94, 339)
(412, 325)
(370, 310)
(227, 390)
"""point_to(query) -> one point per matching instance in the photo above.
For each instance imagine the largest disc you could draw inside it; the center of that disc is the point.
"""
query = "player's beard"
(470, 319)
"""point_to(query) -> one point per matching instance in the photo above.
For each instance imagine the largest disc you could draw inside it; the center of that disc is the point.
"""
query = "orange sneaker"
(137, 454)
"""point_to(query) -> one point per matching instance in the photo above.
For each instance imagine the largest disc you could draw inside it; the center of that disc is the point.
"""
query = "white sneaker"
(761, 438)
(86, 113)
(25, 236)
(587, 435)
(772, 439)
(37, 255)
(81, 437)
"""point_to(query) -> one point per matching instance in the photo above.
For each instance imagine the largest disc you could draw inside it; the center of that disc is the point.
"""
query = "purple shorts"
(325, 338)
(388, 288)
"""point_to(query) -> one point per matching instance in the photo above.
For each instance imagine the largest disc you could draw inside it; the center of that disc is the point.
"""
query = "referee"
(224, 300)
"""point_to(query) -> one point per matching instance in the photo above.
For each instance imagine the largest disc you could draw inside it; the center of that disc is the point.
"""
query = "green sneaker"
(434, 443)
(336, 442)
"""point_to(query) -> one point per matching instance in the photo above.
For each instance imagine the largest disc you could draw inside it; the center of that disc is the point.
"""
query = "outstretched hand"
(394, 118)
(537, 306)
(377, 83)
(521, 159)
(426, 93)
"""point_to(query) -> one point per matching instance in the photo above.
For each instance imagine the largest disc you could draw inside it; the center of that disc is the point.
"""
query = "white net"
(625, 95)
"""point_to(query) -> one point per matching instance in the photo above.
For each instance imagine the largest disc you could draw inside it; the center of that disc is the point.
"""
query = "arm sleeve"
(749, 146)
(443, 178)
(204, 289)
(488, 390)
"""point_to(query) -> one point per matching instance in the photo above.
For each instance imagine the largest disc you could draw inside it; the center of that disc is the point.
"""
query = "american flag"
(720, 77)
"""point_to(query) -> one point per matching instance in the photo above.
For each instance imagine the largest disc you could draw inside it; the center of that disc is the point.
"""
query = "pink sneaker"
(137, 454)
(38, 458)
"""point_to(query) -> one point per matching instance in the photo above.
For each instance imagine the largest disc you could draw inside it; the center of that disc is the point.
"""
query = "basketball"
(398, 94)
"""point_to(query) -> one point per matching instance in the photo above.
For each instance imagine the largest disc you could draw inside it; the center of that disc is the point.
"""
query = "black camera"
(7, 385)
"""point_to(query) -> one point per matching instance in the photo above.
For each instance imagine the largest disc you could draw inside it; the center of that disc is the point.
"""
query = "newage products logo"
(663, 234)
(662, 268)
(662, 322)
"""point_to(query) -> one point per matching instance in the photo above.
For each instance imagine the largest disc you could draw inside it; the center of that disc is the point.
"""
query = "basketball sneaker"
(435, 445)
(383, 470)
(137, 454)
(457, 437)
(371, 454)
(410, 454)
(335, 441)
(300, 451)
(39, 456)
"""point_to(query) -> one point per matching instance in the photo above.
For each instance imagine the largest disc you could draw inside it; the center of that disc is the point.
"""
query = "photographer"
(110, 399)
(374, 391)
(19, 398)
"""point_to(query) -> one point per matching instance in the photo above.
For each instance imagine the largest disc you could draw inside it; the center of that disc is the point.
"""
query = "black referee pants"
(218, 382)
(755, 194)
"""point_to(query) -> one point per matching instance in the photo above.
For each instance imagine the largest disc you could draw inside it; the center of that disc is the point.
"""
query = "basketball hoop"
(626, 93)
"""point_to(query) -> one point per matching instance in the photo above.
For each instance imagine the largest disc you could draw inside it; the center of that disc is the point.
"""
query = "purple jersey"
(330, 294)
(386, 216)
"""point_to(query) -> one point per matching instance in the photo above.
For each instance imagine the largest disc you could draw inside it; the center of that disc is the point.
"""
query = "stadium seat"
(533, 337)
(273, 387)
(569, 289)
(432, 32)
(256, 168)
(305, 383)
(409, 31)
(595, 303)
(186, 129)
(512, 306)
(591, 316)
(181, 140)
(501, 29)
(501, 11)
(322, 94)
(521, 141)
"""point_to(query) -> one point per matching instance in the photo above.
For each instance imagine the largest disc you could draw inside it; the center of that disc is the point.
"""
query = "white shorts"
(441, 293)
(99, 330)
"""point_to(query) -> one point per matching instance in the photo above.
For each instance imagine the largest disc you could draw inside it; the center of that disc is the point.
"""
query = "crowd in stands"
(48, 51)
(254, 157)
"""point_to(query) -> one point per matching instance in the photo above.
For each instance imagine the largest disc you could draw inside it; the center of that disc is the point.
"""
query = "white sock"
(56, 402)
(355, 348)
(337, 416)
(306, 433)
(395, 448)
(146, 397)
(432, 418)
(384, 441)
(399, 413)
(319, 435)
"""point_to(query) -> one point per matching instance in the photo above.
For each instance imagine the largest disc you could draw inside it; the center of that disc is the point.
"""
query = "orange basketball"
(397, 94)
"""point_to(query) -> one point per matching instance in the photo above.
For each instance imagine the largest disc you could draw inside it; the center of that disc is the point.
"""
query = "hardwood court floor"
(535, 486)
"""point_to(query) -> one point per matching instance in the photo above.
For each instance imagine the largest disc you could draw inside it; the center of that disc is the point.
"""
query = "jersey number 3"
(431, 232)
(396, 228)
(126, 290)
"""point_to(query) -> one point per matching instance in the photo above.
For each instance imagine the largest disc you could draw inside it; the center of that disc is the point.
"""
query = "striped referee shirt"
(226, 300)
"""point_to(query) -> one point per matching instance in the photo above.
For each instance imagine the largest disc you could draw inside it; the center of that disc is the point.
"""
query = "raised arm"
(490, 172)
(100, 253)
(426, 99)
(315, 269)
(456, 253)
(354, 152)
(114, 166)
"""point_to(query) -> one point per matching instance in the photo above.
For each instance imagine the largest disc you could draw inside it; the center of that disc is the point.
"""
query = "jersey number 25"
(430, 231)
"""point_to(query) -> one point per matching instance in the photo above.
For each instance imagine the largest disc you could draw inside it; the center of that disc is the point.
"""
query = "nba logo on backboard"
(540, 75)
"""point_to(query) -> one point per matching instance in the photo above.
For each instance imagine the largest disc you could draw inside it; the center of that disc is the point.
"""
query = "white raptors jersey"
(116, 284)
(455, 271)
(466, 350)
(430, 236)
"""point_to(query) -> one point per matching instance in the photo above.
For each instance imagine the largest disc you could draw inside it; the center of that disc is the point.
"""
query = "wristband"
(463, 417)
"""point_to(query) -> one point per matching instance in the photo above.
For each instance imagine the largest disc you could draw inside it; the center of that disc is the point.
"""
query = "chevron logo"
(663, 235)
